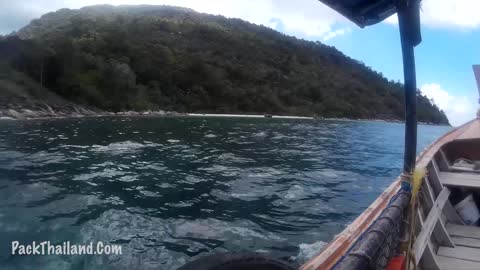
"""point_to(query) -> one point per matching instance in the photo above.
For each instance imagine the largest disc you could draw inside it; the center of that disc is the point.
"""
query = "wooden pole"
(409, 24)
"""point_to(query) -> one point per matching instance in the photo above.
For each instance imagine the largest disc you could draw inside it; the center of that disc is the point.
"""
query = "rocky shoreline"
(73, 112)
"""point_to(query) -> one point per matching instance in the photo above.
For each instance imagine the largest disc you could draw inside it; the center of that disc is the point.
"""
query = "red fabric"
(396, 263)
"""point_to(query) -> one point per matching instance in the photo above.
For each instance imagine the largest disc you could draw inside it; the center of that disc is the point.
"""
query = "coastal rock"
(50, 110)
(14, 114)
(76, 115)
(160, 112)
(30, 114)
(133, 113)
(89, 112)
(70, 110)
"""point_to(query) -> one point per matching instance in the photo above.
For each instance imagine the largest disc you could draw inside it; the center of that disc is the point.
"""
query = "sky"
(450, 30)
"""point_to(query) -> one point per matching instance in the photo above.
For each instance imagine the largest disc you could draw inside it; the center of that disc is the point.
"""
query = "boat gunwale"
(334, 250)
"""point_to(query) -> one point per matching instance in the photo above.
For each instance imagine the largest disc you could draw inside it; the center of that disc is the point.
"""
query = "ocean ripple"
(172, 189)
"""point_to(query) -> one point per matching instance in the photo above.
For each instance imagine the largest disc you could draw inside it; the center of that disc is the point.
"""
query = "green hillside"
(158, 57)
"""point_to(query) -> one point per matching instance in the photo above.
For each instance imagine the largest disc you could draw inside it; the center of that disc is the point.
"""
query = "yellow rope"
(416, 183)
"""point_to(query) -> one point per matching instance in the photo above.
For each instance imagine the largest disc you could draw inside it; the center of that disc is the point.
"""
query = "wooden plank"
(460, 179)
(435, 166)
(466, 242)
(428, 259)
(441, 235)
(463, 253)
(468, 176)
(430, 222)
(439, 231)
(428, 193)
(443, 218)
(458, 182)
(444, 157)
(447, 263)
(443, 161)
(434, 177)
(434, 182)
(464, 169)
(463, 230)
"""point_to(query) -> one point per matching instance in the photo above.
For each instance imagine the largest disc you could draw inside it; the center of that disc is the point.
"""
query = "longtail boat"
(441, 239)
(428, 217)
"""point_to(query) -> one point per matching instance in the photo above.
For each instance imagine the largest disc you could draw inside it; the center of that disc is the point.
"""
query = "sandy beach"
(246, 116)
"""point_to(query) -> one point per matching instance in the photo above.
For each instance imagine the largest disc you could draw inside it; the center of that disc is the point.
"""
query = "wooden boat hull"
(462, 142)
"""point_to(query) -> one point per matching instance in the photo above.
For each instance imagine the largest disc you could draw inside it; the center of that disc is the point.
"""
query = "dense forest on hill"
(159, 57)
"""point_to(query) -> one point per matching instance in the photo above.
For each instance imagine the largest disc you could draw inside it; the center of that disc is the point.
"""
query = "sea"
(172, 189)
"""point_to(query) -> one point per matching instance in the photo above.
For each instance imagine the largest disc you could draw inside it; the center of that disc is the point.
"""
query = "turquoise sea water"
(170, 189)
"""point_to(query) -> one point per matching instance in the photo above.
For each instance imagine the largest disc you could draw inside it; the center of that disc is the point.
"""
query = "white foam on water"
(150, 193)
(295, 192)
(210, 136)
(42, 158)
(260, 134)
(106, 173)
(76, 146)
(232, 158)
(164, 185)
(191, 179)
(308, 251)
(278, 137)
(244, 196)
(118, 147)
(222, 170)
(181, 204)
(128, 178)
(126, 147)
(265, 172)
(329, 173)
(173, 141)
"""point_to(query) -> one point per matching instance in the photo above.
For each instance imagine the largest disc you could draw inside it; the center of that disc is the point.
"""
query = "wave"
(125, 147)
(308, 251)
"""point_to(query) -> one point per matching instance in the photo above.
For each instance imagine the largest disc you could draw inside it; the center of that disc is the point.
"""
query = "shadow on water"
(169, 189)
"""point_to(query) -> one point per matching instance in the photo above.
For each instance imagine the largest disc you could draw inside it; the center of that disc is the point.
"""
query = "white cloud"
(461, 14)
(303, 18)
(336, 33)
(459, 109)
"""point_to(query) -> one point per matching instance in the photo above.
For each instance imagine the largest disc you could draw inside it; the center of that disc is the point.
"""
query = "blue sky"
(444, 63)
(451, 35)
